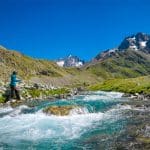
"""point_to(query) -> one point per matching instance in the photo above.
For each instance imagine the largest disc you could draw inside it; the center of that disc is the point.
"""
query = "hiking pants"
(14, 92)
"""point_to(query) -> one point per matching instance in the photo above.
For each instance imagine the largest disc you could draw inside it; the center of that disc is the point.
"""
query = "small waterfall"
(79, 110)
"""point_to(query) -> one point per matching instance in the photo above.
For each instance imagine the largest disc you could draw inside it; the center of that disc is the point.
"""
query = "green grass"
(128, 64)
(35, 93)
(131, 85)
(2, 98)
(28, 67)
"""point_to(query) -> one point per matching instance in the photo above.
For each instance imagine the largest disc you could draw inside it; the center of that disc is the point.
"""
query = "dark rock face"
(142, 37)
(137, 42)
(148, 47)
(71, 61)
(106, 54)
(126, 43)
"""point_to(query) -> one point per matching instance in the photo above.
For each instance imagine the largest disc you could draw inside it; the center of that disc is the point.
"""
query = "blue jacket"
(14, 80)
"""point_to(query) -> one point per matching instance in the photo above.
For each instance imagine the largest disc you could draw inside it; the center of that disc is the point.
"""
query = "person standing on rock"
(13, 86)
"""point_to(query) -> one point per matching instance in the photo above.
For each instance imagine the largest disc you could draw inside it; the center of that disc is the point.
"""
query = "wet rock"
(36, 86)
(59, 110)
(136, 135)
(147, 131)
(137, 96)
(16, 103)
(126, 95)
(144, 140)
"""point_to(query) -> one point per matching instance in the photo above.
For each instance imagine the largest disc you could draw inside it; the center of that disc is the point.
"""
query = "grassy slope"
(26, 66)
(41, 71)
(130, 85)
(123, 65)
(126, 64)
(35, 93)
(127, 72)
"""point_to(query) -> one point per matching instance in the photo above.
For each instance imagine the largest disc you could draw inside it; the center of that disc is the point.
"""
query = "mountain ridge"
(123, 62)
(139, 41)
(113, 63)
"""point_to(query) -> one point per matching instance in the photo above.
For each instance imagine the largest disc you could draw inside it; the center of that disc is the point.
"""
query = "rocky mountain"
(70, 61)
(140, 41)
(137, 42)
(130, 59)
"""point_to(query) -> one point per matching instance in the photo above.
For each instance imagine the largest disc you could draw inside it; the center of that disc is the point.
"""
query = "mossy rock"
(145, 140)
(59, 110)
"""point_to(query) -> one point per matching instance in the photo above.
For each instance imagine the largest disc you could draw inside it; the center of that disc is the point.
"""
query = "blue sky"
(52, 29)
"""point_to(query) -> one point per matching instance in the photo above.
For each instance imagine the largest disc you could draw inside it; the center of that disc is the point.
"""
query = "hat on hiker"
(14, 72)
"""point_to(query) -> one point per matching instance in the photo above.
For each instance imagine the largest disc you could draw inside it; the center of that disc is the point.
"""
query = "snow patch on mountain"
(134, 47)
(70, 61)
(137, 42)
(143, 43)
(60, 63)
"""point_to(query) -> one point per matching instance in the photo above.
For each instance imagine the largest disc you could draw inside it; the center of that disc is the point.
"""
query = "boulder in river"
(59, 110)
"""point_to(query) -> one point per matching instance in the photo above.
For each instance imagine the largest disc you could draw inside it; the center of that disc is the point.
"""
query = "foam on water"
(20, 110)
(13, 112)
(79, 110)
(38, 126)
(100, 95)
(117, 111)
(17, 125)
(116, 94)
(5, 109)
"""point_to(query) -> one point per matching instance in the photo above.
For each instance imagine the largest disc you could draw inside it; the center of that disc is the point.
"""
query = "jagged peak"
(70, 61)
(139, 41)
(136, 41)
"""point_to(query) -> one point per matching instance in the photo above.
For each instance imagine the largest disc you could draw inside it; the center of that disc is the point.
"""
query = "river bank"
(34, 93)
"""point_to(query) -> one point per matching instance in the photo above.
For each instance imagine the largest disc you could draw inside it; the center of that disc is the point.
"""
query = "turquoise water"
(96, 125)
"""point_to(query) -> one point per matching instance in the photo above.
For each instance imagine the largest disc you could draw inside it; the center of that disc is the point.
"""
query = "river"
(96, 125)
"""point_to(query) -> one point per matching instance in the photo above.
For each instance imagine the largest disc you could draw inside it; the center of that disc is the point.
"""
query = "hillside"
(133, 85)
(26, 66)
(123, 64)
(130, 59)
(41, 71)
